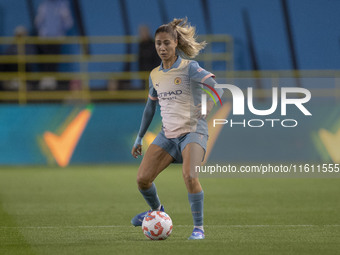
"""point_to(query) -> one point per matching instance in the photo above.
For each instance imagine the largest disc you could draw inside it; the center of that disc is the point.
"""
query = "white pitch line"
(206, 226)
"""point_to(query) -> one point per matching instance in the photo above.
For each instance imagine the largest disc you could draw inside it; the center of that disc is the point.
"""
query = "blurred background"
(74, 76)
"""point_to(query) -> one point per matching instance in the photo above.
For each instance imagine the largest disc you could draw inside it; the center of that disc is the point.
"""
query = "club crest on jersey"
(178, 81)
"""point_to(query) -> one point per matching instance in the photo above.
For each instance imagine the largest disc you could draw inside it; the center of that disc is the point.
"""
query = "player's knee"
(192, 183)
(143, 181)
(189, 179)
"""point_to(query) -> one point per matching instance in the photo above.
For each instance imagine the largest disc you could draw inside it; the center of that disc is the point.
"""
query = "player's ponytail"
(181, 30)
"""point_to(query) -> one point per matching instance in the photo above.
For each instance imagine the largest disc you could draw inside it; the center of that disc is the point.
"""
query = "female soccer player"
(177, 85)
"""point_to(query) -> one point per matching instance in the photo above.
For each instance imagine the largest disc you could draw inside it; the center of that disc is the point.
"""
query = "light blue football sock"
(196, 204)
(151, 197)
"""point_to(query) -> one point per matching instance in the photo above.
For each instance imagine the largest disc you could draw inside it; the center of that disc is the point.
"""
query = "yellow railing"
(328, 81)
(85, 75)
(22, 95)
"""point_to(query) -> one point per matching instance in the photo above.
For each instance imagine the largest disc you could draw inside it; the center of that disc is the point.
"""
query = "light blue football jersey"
(178, 90)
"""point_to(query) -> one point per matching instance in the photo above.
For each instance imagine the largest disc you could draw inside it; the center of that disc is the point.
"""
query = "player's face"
(165, 46)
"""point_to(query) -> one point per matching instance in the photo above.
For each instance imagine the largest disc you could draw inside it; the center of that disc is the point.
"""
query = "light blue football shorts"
(175, 146)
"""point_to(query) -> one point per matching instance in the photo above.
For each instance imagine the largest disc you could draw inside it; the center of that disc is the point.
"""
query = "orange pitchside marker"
(62, 147)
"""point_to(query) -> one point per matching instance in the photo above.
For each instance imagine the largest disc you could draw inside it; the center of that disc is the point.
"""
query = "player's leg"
(154, 162)
(193, 154)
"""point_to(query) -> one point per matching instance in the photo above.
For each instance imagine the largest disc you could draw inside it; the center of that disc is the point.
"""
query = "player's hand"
(198, 110)
(136, 151)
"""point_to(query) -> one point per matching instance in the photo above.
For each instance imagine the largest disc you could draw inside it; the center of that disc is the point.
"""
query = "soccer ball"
(157, 225)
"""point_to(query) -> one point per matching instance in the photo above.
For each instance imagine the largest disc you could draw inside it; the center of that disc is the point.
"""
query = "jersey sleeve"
(152, 92)
(197, 73)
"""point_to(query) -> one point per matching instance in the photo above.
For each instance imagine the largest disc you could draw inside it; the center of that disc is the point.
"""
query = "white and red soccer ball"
(157, 225)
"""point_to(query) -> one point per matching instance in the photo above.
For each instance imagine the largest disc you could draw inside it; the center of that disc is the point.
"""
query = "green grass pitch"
(87, 210)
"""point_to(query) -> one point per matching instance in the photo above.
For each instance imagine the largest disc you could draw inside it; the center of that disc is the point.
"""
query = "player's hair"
(185, 34)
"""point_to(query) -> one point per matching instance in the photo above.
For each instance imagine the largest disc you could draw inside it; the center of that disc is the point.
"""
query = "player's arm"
(210, 102)
(149, 112)
(202, 76)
